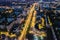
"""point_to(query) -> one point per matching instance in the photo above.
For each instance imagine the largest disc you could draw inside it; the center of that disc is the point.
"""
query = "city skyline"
(17, 0)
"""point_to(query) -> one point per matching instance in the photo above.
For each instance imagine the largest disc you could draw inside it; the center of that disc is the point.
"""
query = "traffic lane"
(33, 19)
(26, 24)
(56, 30)
(49, 34)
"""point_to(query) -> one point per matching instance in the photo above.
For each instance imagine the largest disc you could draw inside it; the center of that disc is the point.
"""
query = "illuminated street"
(29, 20)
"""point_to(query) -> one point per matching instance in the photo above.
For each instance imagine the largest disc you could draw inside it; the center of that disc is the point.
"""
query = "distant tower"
(22, 0)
